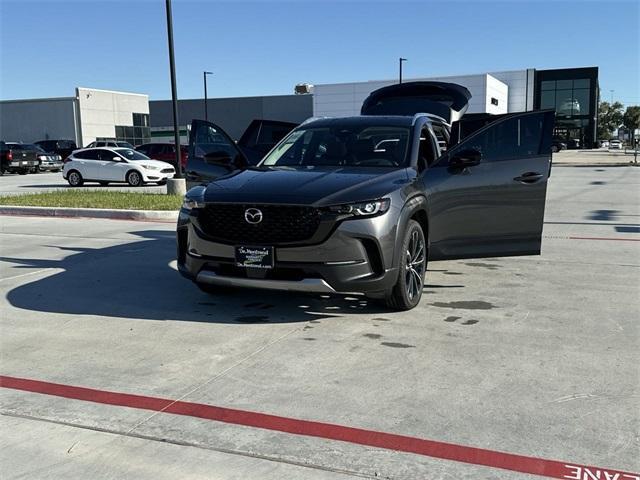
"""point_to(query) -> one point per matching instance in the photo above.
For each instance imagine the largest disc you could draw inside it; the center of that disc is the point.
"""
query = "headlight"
(191, 203)
(362, 209)
(151, 167)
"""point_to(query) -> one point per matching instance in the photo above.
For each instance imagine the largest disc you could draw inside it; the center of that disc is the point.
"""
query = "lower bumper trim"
(306, 285)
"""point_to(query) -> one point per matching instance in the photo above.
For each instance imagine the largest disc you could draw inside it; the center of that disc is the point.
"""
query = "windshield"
(130, 154)
(124, 144)
(355, 145)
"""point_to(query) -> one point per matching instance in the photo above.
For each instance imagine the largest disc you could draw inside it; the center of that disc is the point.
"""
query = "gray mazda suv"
(359, 204)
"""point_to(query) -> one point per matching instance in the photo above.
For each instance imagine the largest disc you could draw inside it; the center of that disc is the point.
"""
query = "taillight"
(10, 155)
(66, 160)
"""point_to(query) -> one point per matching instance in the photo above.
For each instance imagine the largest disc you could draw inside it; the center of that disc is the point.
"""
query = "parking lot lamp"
(400, 60)
(206, 111)
(174, 95)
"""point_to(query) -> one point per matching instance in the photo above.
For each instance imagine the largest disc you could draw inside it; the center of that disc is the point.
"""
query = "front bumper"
(352, 259)
(156, 175)
(51, 165)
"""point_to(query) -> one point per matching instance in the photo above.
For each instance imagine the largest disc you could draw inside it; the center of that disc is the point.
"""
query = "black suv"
(359, 204)
(59, 147)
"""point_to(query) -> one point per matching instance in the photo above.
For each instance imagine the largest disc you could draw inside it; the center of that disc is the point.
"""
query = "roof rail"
(311, 119)
(431, 116)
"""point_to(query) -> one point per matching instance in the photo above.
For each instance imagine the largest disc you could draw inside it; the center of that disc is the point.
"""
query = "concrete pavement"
(533, 355)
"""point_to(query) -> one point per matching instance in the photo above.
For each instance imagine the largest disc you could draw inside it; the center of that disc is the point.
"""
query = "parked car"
(114, 165)
(19, 158)
(48, 161)
(557, 145)
(615, 145)
(59, 147)
(109, 144)
(165, 152)
(359, 204)
(604, 143)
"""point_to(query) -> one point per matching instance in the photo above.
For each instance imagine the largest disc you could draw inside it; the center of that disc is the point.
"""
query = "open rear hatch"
(446, 100)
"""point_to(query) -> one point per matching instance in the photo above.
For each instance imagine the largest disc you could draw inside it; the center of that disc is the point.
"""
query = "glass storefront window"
(564, 102)
(548, 99)
(562, 84)
(582, 83)
(581, 97)
(548, 85)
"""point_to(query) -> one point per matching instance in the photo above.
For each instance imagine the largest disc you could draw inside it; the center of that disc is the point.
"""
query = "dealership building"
(96, 114)
(92, 114)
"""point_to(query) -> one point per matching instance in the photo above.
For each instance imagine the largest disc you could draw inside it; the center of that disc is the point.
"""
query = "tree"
(631, 120)
(609, 118)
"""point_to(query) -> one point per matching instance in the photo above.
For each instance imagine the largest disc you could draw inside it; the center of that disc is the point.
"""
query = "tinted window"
(130, 154)
(355, 145)
(87, 155)
(209, 140)
(510, 138)
(272, 134)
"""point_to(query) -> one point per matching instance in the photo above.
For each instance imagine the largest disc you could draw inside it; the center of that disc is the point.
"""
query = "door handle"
(529, 177)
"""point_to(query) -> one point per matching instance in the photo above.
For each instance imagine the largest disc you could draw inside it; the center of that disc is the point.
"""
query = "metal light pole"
(611, 91)
(204, 77)
(176, 186)
(400, 60)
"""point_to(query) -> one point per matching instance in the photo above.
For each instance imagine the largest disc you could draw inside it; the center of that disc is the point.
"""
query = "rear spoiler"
(446, 100)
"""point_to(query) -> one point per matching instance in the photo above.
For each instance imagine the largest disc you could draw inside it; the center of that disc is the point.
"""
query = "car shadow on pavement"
(138, 280)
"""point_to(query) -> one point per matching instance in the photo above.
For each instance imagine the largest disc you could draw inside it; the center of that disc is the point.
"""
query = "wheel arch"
(414, 209)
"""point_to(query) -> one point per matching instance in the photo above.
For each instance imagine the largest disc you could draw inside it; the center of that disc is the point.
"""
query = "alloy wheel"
(74, 178)
(414, 265)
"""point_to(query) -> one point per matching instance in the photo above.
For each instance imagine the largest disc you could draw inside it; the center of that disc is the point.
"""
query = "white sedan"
(117, 165)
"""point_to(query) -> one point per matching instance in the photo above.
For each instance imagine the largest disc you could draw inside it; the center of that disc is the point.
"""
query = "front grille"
(166, 170)
(280, 223)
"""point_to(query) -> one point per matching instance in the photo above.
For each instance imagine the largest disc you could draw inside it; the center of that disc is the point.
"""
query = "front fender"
(415, 204)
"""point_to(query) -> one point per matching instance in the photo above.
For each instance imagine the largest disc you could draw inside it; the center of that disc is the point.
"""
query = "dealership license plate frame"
(261, 257)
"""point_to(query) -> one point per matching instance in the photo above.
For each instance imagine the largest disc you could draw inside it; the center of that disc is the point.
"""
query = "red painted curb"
(389, 441)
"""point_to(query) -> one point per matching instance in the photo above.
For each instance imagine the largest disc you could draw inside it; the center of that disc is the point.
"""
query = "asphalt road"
(536, 356)
(14, 184)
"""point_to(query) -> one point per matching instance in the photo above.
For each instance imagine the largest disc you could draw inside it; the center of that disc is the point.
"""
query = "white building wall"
(342, 99)
(521, 85)
(38, 119)
(102, 110)
(345, 99)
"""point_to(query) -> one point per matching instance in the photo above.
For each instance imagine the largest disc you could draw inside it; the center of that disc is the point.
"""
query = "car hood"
(313, 186)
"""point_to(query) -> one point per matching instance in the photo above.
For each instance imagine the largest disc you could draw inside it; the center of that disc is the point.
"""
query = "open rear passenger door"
(486, 194)
(261, 136)
(212, 154)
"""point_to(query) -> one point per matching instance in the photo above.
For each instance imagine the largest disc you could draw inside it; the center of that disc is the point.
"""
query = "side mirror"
(465, 158)
(116, 159)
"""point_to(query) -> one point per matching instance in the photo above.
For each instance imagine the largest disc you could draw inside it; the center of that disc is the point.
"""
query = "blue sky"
(47, 48)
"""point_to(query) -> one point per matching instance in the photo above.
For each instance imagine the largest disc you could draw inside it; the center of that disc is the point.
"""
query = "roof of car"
(382, 120)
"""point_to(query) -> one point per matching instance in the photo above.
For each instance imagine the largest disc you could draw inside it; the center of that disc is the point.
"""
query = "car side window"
(88, 155)
(509, 138)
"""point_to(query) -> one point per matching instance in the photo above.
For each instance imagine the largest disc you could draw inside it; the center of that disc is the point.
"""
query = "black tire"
(104, 184)
(134, 178)
(407, 291)
(23, 171)
(162, 182)
(56, 170)
(75, 178)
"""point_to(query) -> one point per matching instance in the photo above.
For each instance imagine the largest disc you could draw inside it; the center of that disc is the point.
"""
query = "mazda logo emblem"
(253, 215)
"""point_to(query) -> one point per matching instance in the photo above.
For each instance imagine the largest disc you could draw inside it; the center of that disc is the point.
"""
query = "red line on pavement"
(606, 238)
(390, 441)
